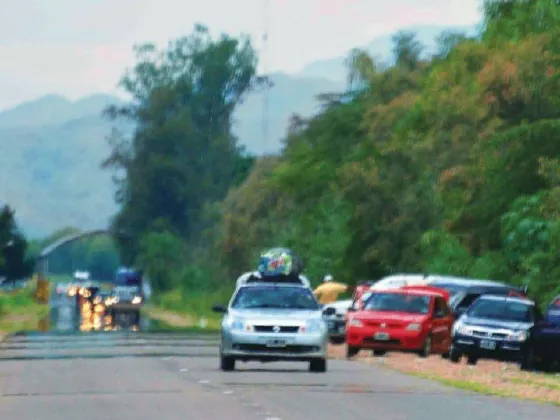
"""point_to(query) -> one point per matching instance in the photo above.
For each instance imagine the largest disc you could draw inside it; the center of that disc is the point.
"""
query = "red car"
(410, 319)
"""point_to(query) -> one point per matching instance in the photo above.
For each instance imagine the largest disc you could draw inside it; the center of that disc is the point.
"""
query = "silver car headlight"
(462, 329)
(236, 324)
(136, 300)
(312, 326)
(518, 335)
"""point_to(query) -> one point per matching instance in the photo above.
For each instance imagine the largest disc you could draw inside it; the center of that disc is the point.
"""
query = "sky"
(78, 47)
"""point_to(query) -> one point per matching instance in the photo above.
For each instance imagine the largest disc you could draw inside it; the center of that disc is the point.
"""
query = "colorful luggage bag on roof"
(279, 262)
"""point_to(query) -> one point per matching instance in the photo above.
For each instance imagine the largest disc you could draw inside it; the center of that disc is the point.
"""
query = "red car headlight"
(415, 326)
(355, 323)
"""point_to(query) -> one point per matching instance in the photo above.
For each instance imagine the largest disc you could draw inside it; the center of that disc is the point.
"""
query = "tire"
(379, 353)
(427, 348)
(472, 360)
(318, 365)
(227, 363)
(445, 355)
(454, 355)
(351, 351)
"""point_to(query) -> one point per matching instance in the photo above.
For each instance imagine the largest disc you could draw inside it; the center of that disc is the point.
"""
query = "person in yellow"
(328, 291)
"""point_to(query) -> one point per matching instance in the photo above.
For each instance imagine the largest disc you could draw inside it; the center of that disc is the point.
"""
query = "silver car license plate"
(487, 344)
(276, 343)
(381, 336)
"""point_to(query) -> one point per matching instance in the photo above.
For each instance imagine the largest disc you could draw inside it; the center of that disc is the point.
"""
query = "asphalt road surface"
(140, 375)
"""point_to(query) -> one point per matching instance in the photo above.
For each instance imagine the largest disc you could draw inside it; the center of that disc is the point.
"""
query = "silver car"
(271, 322)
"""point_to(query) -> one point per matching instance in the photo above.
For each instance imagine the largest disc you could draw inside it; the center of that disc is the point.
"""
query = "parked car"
(493, 327)
(464, 291)
(409, 319)
(334, 315)
(542, 348)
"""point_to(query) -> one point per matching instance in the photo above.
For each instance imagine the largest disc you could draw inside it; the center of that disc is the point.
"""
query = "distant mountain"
(52, 110)
(335, 68)
(51, 148)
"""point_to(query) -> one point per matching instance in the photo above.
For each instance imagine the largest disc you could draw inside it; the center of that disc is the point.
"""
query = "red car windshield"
(398, 302)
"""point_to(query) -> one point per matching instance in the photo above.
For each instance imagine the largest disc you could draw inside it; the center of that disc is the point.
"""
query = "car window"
(389, 302)
(501, 310)
(467, 300)
(260, 297)
(441, 307)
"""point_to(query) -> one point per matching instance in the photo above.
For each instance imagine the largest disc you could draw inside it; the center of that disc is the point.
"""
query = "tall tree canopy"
(14, 263)
(182, 153)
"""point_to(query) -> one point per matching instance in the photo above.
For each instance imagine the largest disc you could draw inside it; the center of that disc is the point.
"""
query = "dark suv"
(494, 327)
(542, 348)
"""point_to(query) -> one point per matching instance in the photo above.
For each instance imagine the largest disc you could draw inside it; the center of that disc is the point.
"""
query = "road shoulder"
(487, 377)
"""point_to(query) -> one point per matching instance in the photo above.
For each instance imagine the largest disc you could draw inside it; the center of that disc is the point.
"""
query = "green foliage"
(182, 153)
(14, 259)
(161, 254)
(448, 166)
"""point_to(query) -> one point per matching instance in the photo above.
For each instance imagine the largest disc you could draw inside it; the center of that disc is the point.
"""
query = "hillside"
(51, 148)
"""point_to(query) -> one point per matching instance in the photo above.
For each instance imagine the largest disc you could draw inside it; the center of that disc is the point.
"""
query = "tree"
(13, 248)
(182, 153)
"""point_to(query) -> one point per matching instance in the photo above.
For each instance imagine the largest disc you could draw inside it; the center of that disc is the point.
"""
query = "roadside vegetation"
(445, 165)
(19, 310)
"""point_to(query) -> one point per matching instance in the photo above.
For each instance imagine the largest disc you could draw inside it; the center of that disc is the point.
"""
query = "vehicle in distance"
(126, 297)
(494, 327)
(268, 321)
(410, 319)
(334, 315)
(541, 350)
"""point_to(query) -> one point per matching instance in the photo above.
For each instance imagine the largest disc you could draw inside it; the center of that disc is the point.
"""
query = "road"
(161, 375)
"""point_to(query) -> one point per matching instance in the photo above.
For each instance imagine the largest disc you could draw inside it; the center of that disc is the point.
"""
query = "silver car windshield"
(285, 297)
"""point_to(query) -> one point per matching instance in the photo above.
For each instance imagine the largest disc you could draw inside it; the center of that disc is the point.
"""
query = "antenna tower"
(264, 58)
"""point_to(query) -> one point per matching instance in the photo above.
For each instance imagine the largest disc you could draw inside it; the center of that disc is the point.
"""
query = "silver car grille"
(276, 329)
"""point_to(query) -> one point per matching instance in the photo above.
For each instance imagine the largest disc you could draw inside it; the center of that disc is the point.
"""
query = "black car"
(494, 327)
(542, 348)
(465, 291)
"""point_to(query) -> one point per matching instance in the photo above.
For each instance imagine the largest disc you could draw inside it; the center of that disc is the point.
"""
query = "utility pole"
(264, 58)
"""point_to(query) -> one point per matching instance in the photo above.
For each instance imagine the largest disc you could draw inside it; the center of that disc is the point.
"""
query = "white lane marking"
(184, 370)
(204, 381)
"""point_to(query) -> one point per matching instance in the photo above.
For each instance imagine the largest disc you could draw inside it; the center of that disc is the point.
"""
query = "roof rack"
(256, 277)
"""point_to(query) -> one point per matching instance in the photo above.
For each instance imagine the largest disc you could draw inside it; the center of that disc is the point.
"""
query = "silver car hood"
(275, 316)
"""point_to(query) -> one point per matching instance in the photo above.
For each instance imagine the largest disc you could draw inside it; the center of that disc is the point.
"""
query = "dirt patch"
(489, 377)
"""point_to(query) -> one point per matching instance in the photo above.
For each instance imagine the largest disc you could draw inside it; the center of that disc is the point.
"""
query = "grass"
(183, 309)
(480, 388)
(19, 310)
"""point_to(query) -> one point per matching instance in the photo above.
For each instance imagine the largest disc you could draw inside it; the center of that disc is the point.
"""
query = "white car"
(397, 281)
(334, 315)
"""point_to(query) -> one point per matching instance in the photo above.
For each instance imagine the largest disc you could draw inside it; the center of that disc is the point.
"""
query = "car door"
(441, 325)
